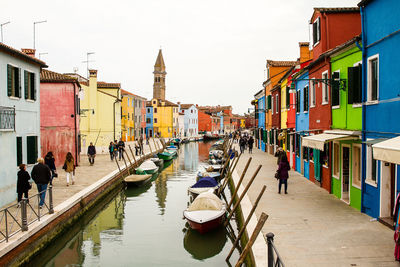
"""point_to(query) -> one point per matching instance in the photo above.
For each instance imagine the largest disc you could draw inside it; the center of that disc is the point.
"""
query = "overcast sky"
(214, 50)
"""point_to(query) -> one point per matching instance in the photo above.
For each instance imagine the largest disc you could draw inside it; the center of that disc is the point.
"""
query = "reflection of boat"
(147, 167)
(137, 179)
(205, 213)
(204, 246)
(137, 191)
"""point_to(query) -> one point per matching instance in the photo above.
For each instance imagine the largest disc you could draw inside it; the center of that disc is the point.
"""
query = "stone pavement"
(311, 226)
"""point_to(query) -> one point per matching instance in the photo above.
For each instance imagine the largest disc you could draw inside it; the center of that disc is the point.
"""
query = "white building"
(191, 119)
(181, 124)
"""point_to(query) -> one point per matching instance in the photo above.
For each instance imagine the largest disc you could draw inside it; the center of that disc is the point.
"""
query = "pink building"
(143, 121)
(59, 115)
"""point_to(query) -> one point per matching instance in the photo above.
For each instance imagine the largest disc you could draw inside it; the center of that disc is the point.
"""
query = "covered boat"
(159, 162)
(207, 212)
(167, 154)
(147, 167)
(203, 185)
(137, 179)
(215, 175)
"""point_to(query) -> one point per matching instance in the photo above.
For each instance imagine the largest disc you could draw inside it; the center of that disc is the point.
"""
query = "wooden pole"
(246, 222)
(133, 155)
(126, 165)
(151, 152)
(229, 175)
(257, 230)
(116, 161)
(130, 162)
(239, 182)
(155, 145)
(244, 192)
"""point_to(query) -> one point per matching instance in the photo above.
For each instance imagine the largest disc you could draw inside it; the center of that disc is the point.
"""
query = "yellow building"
(127, 120)
(164, 113)
(100, 109)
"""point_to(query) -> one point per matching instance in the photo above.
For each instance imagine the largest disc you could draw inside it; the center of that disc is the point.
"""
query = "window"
(287, 97)
(154, 102)
(19, 150)
(133, 102)
(277, 104)
(354, 75)
(357, 166)
(312, 94)
(371, 167)
(13, 81)
(305, 153)
(155, 120)
(268, 102)
(373, 78)
(325, 155)
(335, 88)
(32, 149)
(267, 72)
(336, 161)
(272, 104)
(155, 110)
(29, 85)
(325, 88)
(128, 116)
(305, 98)
(316, 31)
(297, 145)
(297, 101)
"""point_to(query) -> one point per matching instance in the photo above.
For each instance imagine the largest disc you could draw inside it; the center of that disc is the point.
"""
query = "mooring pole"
(244, 192)
(240, 182)
(116, 161)
(151, 152)
(130, 162)
(133, 155)
(229, 175)
(257, 230)
(126, 165)
(246, 222)
(155, 145)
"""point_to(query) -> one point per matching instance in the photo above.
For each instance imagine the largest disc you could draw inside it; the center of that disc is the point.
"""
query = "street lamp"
(34, 30)
(1, 26)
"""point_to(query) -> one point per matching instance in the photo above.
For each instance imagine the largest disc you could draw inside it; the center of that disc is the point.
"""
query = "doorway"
(345, 173)
(388, 190)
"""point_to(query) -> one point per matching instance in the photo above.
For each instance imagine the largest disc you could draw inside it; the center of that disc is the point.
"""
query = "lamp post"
(1, 26)
(34, 31)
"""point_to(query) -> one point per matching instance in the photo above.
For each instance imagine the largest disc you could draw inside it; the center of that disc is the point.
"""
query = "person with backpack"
(282, 174)
(111, 150)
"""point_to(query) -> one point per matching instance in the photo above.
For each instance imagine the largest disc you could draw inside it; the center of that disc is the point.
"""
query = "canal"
(144, 226)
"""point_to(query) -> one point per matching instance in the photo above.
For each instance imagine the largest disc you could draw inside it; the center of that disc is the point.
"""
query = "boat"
(137, 179)
(185, 140)
(173, 147)
(203, 185)
(206, 213)
(215, 175)
(176, 141)
(159, 162)
(167, 154)
(147, 167)
(192, 139)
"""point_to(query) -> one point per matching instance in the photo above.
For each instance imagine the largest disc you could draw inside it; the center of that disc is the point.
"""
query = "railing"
(18, 217)
(273, 253)
(7, 118)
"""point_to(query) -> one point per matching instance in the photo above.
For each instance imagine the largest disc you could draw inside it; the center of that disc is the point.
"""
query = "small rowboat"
(167, 155)
(205, 213)
(137, 179)
(215, 175)
(159, 162)
(203, 185)
(147, 167)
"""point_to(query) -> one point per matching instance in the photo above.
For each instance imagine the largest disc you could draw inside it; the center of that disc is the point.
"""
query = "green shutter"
(353, 85)
(358, 89)
(18, 81)
(335, 89)
(26, 78)
(287, 97)
(305, 100)
(32, 149)
(9, 80)
(33, 86)
(19, 150)
(264, 136)
(269, 102)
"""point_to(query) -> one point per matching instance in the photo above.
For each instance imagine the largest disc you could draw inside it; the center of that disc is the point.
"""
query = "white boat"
(148, 166)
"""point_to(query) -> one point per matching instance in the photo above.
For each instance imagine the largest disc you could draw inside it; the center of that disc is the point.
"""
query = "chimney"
(93, 73)
(28, 51)
(305, 53)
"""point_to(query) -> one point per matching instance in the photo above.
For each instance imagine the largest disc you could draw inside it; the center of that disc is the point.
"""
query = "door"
(345, 173)
(392, 187)
(291, 141)
(388, 189)
(317, 164)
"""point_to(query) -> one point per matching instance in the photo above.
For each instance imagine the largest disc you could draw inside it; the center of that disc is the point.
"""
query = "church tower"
(159, 77)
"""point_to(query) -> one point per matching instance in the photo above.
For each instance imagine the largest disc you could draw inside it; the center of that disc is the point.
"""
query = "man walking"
(141, 145)
(121, 148)
(41, 174)
(91, 152)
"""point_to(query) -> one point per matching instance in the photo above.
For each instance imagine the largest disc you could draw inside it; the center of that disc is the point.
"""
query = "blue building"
(302, 122)
(149, 120)
(191, 120)
(381, 106)
(260, 97)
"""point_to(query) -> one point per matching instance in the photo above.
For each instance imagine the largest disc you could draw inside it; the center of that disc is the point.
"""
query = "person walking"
(116, 148)
(283, 173)
(141, 145)
(91, 152)
(49, 161)
(111, 150)
(23, 185)
(250, 142)
(121, 148)
(279, 154)
(242, 144)
(69, 168)
(41, 174)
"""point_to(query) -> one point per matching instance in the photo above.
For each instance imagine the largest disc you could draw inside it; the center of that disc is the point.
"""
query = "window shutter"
(9, 80)
(19, 150)
(305, 100)
(318, 29)
(18, 78)
(315, 33)
(358, 88)
(287, 97)
(33, 86)
(26, 77)
(32, 149)
(352, 76)
(335, 89)
(269, 102)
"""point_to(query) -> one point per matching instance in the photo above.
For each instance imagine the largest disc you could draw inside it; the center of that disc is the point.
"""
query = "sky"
(214, 50)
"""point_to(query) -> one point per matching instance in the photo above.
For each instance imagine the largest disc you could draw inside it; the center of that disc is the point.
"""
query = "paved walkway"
(311, 226)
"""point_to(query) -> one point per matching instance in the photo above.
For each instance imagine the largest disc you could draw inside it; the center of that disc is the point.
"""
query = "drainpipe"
(115, 102)
(363, 86)
(76, 143)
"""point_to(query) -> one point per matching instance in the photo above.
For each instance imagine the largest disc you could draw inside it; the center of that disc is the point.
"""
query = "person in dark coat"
(283, 173)
(23, 184)
(41, 174)
(279, 154)
(250, 142)
(49, 161)
(111, 149)
(242, 144)
(91, 152)
(121, 149)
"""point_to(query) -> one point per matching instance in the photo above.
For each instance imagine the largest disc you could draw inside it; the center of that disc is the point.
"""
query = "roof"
(108, 85)
(275, 63)
(51, 76)
(214, 108)
(170, 104)
(186, 106)
(124, 92)
(364, 2)
(304, 43)
(14, 52)
(336, 9)
(159, 65)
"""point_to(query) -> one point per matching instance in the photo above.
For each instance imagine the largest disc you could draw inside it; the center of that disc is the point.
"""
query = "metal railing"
(274, 260)
(18, 217)
(7, 118)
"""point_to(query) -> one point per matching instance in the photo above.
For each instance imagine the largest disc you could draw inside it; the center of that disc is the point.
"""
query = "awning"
(317, 141)
(371, 142)
(388, 150)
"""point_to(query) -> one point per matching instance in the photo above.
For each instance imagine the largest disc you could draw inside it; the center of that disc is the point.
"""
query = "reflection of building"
(161, 189)
(71, 255)
(191, 157)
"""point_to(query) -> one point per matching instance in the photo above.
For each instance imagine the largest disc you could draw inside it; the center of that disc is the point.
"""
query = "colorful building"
(260, 111)
(59, 115)
(149, 119)
(190, 119)
(163, 115)
(127, 116)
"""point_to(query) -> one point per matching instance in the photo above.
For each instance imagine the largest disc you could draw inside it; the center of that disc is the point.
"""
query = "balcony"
(7, 119)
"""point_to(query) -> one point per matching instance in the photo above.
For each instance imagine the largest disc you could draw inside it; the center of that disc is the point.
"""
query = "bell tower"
(159, 77)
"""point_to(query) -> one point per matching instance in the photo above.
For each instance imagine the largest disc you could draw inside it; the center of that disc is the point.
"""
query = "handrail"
(272, 251)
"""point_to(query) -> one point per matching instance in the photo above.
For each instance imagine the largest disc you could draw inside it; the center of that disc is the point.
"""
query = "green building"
(346, 61)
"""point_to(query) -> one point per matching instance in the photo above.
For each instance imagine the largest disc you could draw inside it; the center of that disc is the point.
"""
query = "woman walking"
(49, 161)
(283, 173)
(23, 184)
(111, 149)
(69, 167)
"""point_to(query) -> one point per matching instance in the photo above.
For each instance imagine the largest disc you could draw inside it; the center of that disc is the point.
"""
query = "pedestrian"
(69, 167)
(279, 154)
(91, 152)
(147, 139)
(141, 145)
(242, 144)
(250, 142)
(282, 174)
(121, 148)
(49, 161)
(111, 150)
(137, 148)
(23, 184)
(41, 174)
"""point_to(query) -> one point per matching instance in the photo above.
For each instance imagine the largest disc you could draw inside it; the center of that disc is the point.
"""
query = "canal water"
(144, 226)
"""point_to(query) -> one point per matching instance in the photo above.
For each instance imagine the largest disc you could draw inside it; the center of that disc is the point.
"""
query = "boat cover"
(206, 201)
(148, 165)
(205, 182)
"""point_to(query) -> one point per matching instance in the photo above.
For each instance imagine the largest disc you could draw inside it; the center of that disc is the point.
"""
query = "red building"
(205, 121)
(276, 113)
(59, 115)
(331, 27)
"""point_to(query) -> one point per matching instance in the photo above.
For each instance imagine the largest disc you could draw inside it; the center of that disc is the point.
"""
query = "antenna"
(1, 26)
(40, 54)
(87, 62)
(76, 69)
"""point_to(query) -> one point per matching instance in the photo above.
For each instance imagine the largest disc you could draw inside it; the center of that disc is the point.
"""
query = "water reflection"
(161, 184)
(191, 156)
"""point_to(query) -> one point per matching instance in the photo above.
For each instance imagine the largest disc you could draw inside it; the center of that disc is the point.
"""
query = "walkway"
(311, 226)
